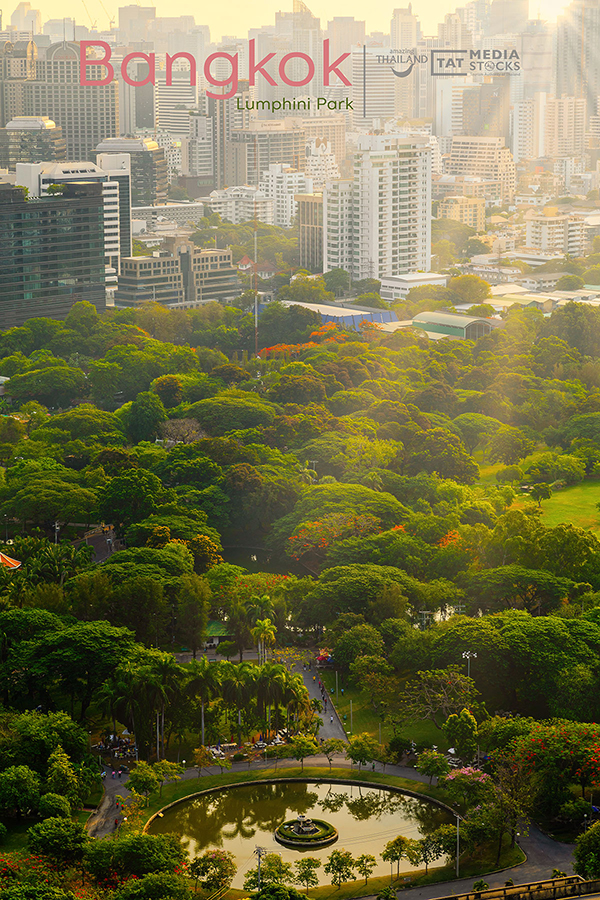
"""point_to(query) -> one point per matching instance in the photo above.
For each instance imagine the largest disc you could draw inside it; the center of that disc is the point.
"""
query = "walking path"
(332, 726)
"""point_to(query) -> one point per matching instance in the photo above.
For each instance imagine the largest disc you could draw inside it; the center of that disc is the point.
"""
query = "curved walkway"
(543, 854)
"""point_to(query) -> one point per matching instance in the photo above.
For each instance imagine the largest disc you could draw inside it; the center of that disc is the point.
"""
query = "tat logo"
(231, 80)
(470, 62)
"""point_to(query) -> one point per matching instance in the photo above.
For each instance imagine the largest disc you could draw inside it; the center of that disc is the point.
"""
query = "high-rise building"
(31, 139)
(404, 35)
(386, 228)
(577, 58)
(565, 126)
(486, 109)
(48, 84)
(338, 225)
(373, 87)
(118, 169)
(307, 38)
(485, 157)
(198, 152)
(135, 21)
(174, 102)
(508, 16)
(467, 210)
(226, 116)
(343, 32)
(310, 231)
(25, 18)
(253, 149)
(149, 181)
(281, 183)
(320, 164)
(39, 178)
(52, 252)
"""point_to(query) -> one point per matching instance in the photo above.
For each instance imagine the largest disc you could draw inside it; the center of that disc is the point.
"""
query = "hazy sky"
(234, 17)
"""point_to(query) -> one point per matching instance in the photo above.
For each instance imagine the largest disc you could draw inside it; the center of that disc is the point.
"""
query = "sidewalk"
(328, 729)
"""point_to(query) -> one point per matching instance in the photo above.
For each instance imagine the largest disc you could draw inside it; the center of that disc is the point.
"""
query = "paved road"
(332, 726)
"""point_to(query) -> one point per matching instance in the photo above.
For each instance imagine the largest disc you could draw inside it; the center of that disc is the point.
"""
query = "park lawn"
(16, 836)
(575, 505)
(365, 719)
(470, 867)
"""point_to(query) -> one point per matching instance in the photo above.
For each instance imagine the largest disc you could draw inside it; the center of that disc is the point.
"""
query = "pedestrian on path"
(331, 719)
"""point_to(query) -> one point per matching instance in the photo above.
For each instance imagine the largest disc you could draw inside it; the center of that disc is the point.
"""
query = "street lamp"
(469, 655)
(457, 842)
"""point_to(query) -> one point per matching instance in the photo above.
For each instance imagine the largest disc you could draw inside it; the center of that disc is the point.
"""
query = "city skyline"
(238, 18)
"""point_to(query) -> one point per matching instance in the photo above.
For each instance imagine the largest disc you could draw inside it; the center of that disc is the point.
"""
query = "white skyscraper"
(386, 228)
(280, 183)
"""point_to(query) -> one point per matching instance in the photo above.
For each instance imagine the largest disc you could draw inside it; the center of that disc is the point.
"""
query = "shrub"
(54, 806)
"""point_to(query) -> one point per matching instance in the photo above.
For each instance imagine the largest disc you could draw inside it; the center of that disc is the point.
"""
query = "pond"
(241, 818)
(256, 560)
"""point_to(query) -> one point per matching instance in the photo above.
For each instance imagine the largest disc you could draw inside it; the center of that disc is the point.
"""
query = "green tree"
(436, 694)
(62, 840)
(470, 288)
(168, 388)
(192, 611)
(432, 763)
(216, 868)
(509, 445)
(340, 865)
(302, 746)
(330, 747)
(52, 806)
(167, 771)
(394, 851)
(461, 730)
(365, 863)
(144, 417)
(337, 281)
(587, 852)
(273, 870)
(154, 887)
(144, 779)
(306, 871)
(362, 749)
(19, 791)
(129, 498)
(540, 492)
(62, 778)
(203, 684)
(569, 283)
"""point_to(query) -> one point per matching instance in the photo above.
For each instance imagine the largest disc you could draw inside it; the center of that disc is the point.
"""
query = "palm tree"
(295, 696)
(204, 680)
(259, 607)
(237, 685)
(264, 635)
(270, 686)
(168, 679)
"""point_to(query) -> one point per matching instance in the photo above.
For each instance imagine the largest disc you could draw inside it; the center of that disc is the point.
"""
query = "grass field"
(575, 504)
(365, 719)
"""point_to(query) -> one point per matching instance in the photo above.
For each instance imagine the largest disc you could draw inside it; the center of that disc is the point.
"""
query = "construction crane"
(92, 21)
(111, 21)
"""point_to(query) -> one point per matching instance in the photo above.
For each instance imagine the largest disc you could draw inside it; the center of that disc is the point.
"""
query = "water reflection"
(240, 818)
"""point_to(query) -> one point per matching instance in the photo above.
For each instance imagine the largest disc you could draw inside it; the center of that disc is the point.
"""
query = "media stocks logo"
(499, 61)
